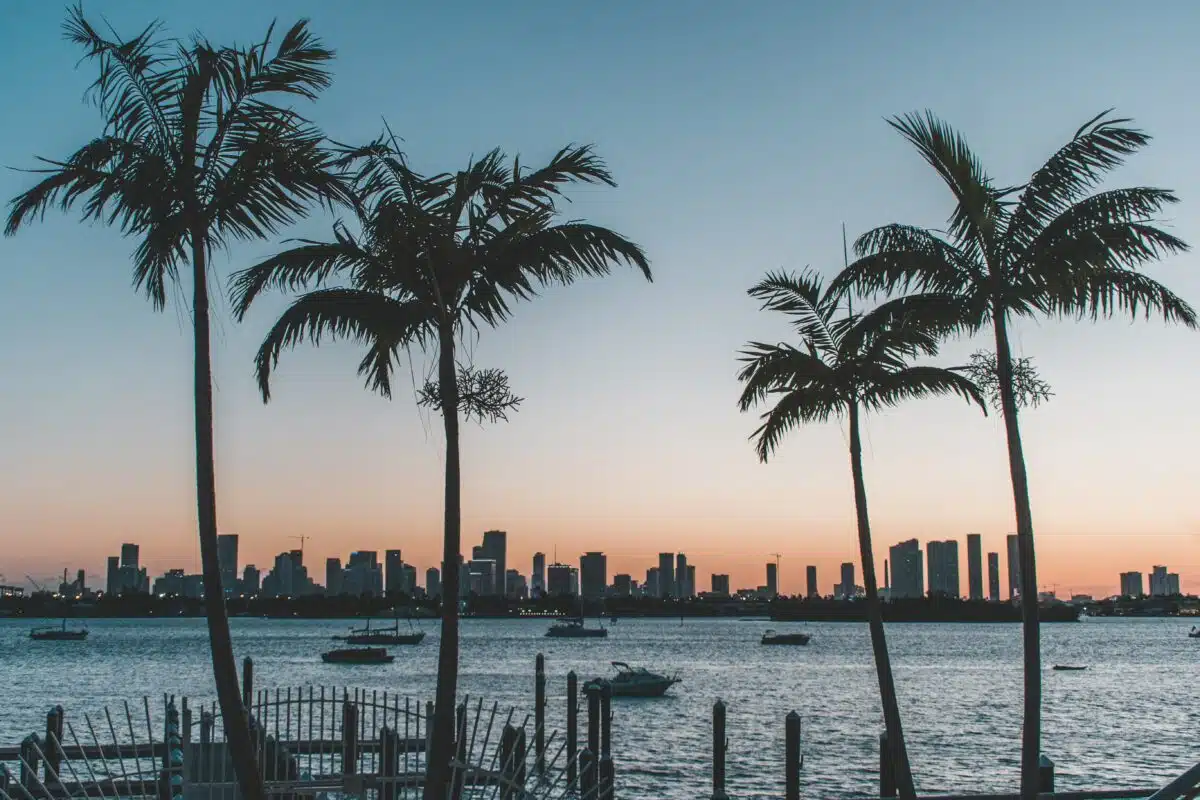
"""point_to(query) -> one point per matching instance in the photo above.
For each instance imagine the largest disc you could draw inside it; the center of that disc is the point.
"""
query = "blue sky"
(742, 137)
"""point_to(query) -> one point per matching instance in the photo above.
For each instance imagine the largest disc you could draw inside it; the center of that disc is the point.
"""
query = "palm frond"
(913, 325)
(540, 188)
(794, 407)
(804, 301)
(1105, 291)
(770, 368)
(905, 258)
(890, 389)
(383, 324)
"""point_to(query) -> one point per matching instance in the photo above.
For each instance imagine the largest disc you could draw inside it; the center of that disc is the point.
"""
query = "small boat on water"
(771, 637)
(1068, 668)
(378, 636)
(358, 655)
(635, 682)
(53, 633)
(1194, 633)
(573, 628)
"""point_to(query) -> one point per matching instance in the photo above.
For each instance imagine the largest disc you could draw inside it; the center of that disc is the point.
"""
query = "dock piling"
(539, 715)
(720, 745)
(52, 745)
(572, 729)
(587, 775)
(887, 768)
(389, 763)
(606, 771)
(247, 682)
(349, 737)
(1045, 775)
(29, 764)
(508, 762)
(593, 736)
(792, 758)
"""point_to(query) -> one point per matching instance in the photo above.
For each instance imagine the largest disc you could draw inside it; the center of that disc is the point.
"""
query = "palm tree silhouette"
(194, 155)
(844, 365)
(1048, 248)
(434, 258)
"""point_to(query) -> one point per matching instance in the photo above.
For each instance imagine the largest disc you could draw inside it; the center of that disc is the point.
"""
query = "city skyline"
(109, 460)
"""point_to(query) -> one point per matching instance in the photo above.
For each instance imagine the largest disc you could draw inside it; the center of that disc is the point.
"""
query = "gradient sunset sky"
(742, 136)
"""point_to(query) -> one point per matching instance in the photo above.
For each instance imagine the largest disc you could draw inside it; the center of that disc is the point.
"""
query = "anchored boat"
(377, 636)
(358, 655)
(573, 628)
(52, 633)
(771, 637)
(635, 682)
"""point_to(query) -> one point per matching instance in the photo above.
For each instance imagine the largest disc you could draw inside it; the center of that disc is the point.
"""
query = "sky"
(742, 136)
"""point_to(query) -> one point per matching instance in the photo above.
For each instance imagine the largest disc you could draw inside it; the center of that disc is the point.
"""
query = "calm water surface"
(1130, 720)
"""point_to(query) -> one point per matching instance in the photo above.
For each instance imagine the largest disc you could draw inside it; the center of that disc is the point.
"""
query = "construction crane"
(302, 539)
(777, 557)
(37, 585)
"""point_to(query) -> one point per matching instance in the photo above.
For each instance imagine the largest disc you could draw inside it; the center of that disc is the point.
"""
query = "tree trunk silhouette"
(442, 747)
(1031, 730)
(229, 695)
(883, 664)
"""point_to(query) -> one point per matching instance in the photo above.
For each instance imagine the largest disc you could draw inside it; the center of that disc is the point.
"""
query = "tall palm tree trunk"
(438, 767)
(883, 664)
(1031, 731)
(229, 697)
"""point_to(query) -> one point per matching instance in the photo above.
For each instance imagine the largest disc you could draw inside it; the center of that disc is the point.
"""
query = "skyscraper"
(691, 580)
(558, 580)
(113, 584)
(537, 581)
(666, 574)
(811, 575)
(495, 547)
(433, 582)
(393, 575)
(1158, 582)
(943, 568)
(720, 585)
(651, 589)
(623, 585)
(994, 577)
(772, 579)
(227, 557)
(593, 575)
(1131, 584)
(908, 571)
(129, 555)
(251, 580)
(681, 567)
(1014, 567)
(847, 586)
(975, 566)
(485, 577)
(333, 577)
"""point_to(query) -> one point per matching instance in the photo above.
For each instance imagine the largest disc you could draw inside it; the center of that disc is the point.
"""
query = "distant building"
(485, 577)
(559, 579)
(1014, 567)
(251, 580)
(994, 577)
(943, 568)
(720, 585)
(593, 575)
(681, 571)
(975, 566)
(227, 558)
(113, 584)
(811, 576)
(1131, 584)
(393, 574)
(622, 585)
(691, 580)
(129, 555)
(908, 570)
(537, 581)
(514, 585)
(666, 574)
(433, 582)
(408, 579)
(495, 548)
(845, 589)
(333, 577)
(651, 588)
(1173, 584)
(363, 575)
(772, 579)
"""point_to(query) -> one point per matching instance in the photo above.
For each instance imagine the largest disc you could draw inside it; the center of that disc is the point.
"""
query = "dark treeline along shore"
(200, 145)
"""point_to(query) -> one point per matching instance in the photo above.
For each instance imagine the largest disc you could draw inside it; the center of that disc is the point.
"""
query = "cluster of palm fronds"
(1052, 247)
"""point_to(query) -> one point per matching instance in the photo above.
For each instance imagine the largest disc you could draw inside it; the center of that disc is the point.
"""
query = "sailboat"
(573, 628)
(377, 636)
(53, 633)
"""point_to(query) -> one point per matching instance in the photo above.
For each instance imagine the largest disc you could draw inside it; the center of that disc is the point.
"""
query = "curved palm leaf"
(803, 300)
(891, 388)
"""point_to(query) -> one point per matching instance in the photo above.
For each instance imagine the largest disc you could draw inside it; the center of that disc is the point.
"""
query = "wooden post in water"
(593, 737)
(792, 757)
(349, 737)
(1045, 775)
(587, 775)
(887, 768)
(572, 730)
(29, 764)
(428, 728)
(52, 746)
(521, 752)
(539, 715)
(186, 726)
(247, 682)
(508, 761)
(460, 732)
(605, 770)
(720, 743)
(389, 763)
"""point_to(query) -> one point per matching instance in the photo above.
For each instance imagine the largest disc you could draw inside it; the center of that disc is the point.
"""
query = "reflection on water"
(1127, 721)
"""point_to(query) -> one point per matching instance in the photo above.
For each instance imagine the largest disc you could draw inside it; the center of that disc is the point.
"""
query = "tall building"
(251, 580)
(651, 589)
(1131, 584)
(691, 580)
(129, 555)
(666, 574)
(495, 548)
(485, 576)
(772, 579)
(1160, 584)
(623, 585)
(559, 580)
(433, 582)
(227, 557)
(975, 566)
(908, 571)
(593, 575)
(333, 577)
(943, 568)
(363, 574)
(113, 584)
(994, 577)
(393, 575)
(681, 571)
(1173, 584)
(720, 585)
(845, 590)
(537, 581)
(811, 579)
(1014, 567)
(514, 585)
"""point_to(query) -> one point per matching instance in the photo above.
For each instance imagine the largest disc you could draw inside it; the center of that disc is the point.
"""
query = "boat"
(378, 636)
(358, 655)
(771, 637)
(1067, 668)
(635, 682)
(54, 633)
(573, 628)
(1194, 633)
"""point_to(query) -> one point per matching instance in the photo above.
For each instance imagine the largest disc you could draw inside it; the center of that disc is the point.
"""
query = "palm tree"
(845, 364)
(434, 258)
(1053, 247)
(192, 156)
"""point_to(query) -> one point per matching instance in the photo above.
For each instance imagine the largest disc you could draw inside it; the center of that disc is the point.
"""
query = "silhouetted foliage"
(1029, 390)
(483, 395)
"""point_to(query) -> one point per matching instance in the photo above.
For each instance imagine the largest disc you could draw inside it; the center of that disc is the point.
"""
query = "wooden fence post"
(587, 775)
(428, 728)
(186, 725)
(792, 757)
(349, 737)
(521, 753)
(52, 745)
(720, 743)
(887, 768)
(29, 763)
(508, 761)
(389, 763)
(572, 730)
(605, 771)
(247, 682)
(1045, 775)
(539, 716)
(593, 734)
